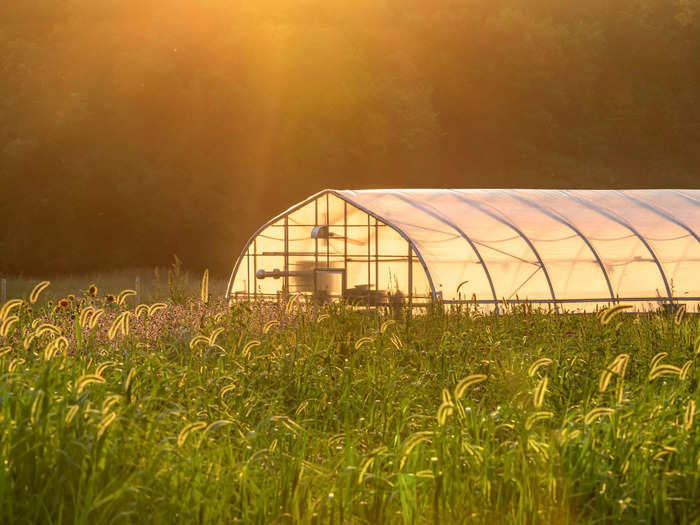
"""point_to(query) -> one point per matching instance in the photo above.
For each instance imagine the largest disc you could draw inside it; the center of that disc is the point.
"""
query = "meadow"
(191, 410)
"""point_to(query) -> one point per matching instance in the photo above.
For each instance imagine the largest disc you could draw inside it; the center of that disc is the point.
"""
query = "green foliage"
(145, 139)
(260, 413)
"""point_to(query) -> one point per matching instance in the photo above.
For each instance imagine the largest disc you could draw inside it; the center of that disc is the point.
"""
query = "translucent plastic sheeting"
(574, 250)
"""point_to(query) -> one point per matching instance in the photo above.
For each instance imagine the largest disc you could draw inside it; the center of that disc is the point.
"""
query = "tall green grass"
(210, 413)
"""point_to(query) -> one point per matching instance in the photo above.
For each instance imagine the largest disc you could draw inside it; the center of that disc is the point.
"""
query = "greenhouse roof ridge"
(507, 189)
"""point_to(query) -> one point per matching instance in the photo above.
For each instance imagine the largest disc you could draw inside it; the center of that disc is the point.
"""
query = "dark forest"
(132, 131)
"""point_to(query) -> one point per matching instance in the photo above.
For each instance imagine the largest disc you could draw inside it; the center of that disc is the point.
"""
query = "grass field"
(152, 284)
(194, 412)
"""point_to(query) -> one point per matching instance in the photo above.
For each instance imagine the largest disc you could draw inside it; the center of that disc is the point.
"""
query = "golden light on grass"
(292, 302)
(268, 326)
(205, 287)
(141, 309)
(598, 413)
(618, 366)
(129, 378)
(105, 423)
(225, 390)
(124, 295)
(56, 345)
(197, 340)
(544, 361)
(109, 402)
(540, 391)
(215, 335)
(72, 411)
(86, 380)
(657, 359)
(155, 308)
(686, 368)
(664, 370)
(385, 325)
(120, 323)
(96, 317)
(85, 315)
(688, 415)
(607, 315)
(185, 432)
(396, 341)
(249, 346)
(412, 442)
(680, 313)
(47, 328)
(467, 382)
(104, 366)
(17, 361)
(7, 325)
(361, 341)
(537, 416)
(8, 307)
(34, 295)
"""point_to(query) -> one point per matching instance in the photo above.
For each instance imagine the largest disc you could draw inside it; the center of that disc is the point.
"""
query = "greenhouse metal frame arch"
(570, 249)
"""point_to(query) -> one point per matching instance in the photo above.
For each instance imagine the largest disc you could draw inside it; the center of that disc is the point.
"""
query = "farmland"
(192, 410)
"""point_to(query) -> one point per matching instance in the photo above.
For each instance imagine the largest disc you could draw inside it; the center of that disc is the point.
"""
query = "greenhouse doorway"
(329, 283)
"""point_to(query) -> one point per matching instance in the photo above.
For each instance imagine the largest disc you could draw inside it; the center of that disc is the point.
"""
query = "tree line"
(132, 131)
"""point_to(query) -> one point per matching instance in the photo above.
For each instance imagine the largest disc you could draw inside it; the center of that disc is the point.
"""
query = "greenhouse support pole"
(369, 259)
(255, 267)
(316, 250)
(410, 278)
(345, 246)
(328, 240)
(376, 255)
(286, 254)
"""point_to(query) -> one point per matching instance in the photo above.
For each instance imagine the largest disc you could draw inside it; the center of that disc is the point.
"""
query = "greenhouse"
(572, 250)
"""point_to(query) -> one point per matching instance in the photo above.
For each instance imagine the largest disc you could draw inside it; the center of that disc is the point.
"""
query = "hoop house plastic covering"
(569, 249)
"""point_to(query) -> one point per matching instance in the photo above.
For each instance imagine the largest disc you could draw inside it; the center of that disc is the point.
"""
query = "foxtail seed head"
(467, 382)
(544, 361)
(34, 295)
(608, 315)
(205, 287)
(540, 391)
(689, 414)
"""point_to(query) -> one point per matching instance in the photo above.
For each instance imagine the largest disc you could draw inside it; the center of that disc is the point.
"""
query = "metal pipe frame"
(567, 223)
(688, 197)
(516, 230)
(346, 201)
(464, 236)
(660, 212)
(623, 223)
(399, 231)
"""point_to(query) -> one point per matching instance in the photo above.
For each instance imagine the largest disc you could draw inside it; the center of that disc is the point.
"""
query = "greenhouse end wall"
(575, 250)
(329, 249)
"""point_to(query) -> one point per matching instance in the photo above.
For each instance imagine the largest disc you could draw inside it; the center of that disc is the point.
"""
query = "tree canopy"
(131, 131)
